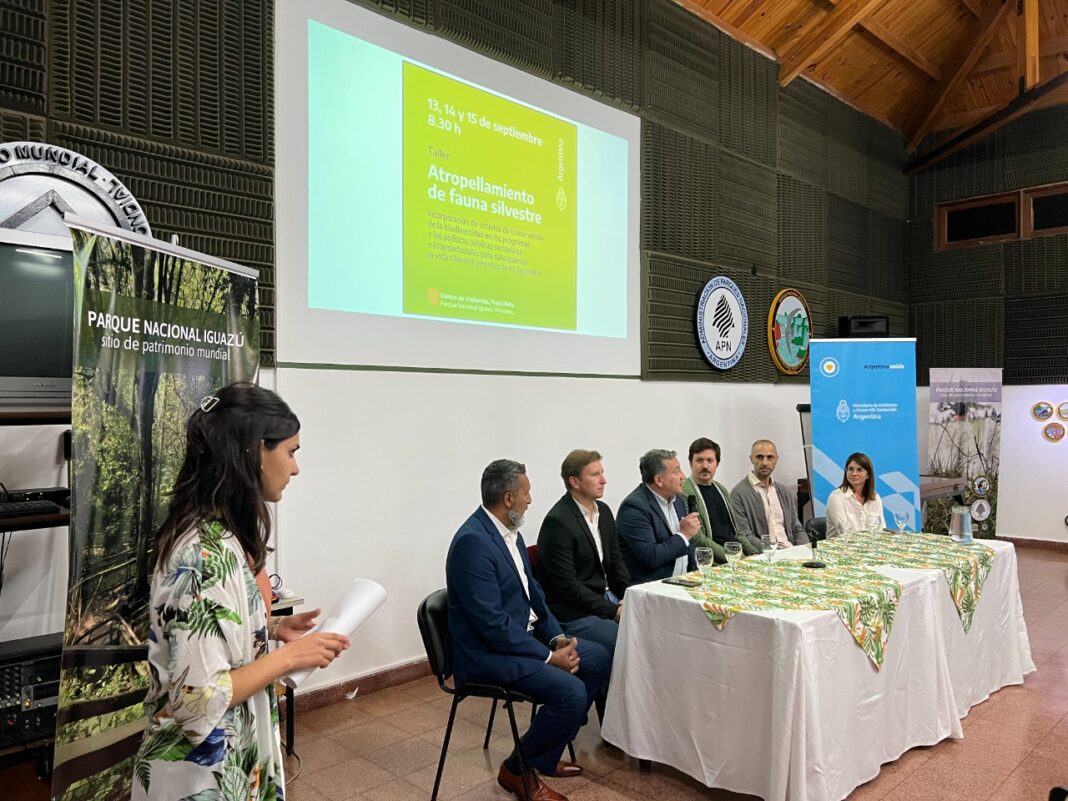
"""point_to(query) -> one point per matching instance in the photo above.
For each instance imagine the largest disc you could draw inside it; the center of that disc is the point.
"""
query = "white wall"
(1033, 479)
(35, 573)
(391, 462)
(390, 468)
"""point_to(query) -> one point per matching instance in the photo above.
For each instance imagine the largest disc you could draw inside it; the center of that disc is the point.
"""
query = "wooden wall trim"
(1042, 545)
(369, 683)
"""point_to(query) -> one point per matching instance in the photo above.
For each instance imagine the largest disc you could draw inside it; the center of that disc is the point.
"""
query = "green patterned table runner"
(863, 599)
(964, 566)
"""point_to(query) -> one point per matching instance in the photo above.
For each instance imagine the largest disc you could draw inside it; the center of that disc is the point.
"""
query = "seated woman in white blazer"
(854, 504)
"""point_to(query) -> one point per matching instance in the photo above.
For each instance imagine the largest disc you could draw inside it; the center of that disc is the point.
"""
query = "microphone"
(691, 504)
(813, 538)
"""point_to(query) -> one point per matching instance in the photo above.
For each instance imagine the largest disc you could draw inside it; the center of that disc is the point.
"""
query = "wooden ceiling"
(920, 66)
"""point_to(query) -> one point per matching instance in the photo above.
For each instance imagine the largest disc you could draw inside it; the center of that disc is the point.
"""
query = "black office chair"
(816, 528)
(433, 619)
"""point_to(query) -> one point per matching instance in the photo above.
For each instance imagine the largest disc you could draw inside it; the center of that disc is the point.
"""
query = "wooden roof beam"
(971, 46)
(973, 6)
(901, 47)
(824, 36)
(1007, 59)
(1053, 92)
(1027, 43)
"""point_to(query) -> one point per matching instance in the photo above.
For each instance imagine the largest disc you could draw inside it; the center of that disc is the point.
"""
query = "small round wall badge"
(1053, 432)
(1042, 411)
(789, 331)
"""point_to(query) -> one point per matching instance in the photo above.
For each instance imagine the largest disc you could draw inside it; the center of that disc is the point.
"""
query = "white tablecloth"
(785, 705)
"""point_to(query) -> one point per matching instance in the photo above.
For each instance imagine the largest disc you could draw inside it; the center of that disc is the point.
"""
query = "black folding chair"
(433, 618)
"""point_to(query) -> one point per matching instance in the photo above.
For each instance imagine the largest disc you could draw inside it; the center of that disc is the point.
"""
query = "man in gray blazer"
(762, 506)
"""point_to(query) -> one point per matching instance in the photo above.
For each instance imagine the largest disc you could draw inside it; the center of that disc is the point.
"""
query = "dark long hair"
(220, 477)
(864, 462)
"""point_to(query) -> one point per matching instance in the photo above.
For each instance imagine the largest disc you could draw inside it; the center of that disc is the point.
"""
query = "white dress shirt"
(772, 511)
(672, 517)
(511, 542)
(845, 514)
(592, 520)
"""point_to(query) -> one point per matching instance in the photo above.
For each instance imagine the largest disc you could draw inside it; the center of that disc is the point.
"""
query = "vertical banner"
(156, 329)
(965, 441)
(864, 399)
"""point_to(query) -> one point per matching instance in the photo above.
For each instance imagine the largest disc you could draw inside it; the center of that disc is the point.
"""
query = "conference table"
(783, 704)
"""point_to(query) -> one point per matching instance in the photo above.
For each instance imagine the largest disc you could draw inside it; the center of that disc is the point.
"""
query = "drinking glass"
(705, 558)
(901, 518)
(734, 554)
(769, 547)
(875, 522)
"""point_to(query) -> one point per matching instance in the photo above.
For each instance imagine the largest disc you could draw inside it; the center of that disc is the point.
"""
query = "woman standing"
(213, 716)
(855, 505)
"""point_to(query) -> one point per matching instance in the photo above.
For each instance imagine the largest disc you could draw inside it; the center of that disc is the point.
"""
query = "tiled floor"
(384, 747)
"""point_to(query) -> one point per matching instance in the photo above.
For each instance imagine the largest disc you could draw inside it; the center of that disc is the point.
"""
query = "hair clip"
(208, 402)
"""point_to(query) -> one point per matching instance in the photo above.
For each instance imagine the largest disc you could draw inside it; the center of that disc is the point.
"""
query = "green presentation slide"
(490, 200)
(433, 197)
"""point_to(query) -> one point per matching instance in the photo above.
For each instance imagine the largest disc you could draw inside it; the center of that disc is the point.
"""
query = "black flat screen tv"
(36, 320)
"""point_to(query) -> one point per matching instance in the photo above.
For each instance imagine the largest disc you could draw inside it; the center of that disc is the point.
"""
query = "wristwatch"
(559, 641)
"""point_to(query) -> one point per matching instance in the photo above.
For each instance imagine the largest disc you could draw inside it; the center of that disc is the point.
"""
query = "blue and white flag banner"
(864, 399)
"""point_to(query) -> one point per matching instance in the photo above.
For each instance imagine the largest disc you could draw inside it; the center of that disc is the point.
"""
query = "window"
(1023, 214)
(1045, 211)
(971, 222)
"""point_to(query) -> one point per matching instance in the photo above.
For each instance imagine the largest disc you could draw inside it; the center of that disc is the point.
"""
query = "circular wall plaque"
(39, 183)
(789, 331)
(1053, 432)
(722, 323)
(1042, 411)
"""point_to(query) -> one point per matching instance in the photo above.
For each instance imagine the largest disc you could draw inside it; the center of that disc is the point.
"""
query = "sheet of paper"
(350, 611)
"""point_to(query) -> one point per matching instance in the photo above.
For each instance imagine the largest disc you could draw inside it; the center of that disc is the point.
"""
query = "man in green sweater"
(713, 503)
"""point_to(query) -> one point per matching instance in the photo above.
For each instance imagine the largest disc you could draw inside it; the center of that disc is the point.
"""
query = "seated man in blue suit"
(503, 633)
(655, 533)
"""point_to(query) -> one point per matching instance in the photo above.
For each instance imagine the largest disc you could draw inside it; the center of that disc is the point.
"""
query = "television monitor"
(36, 320)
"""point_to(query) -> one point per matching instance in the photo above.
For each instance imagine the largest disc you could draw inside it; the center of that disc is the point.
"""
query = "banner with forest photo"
(157, 328)
(964, 441)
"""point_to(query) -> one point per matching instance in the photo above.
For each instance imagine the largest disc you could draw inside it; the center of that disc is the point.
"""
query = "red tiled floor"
(384, 746)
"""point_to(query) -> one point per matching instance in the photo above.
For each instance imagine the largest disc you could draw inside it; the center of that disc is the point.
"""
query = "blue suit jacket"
(648, 546)
(488, 610)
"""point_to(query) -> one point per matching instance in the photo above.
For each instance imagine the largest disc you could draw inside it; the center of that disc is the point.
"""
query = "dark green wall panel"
(1036, 339)
(516, 31)
(679, 193)
(803, 141)
(748, 102)
(748, 214)
(847, 230)
(847, 153)
(15, 127)
(886, 265)
(802, 221)
(958, 333)
(1037, 266)
(599, 48)
(960, 273)
(22, 56)
(680, 60)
